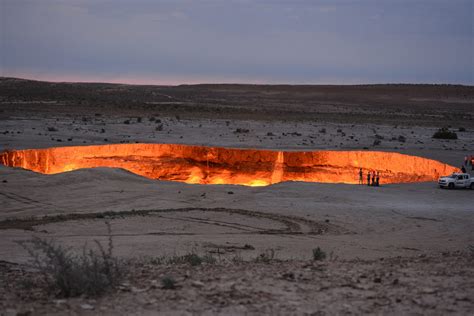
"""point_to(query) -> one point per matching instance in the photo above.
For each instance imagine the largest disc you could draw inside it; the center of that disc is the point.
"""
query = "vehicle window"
(459, 177)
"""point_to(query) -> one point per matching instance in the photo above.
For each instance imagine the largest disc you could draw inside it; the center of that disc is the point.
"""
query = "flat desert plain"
(400, 248)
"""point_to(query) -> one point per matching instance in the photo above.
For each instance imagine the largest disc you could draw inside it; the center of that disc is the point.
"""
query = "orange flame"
(217, 165)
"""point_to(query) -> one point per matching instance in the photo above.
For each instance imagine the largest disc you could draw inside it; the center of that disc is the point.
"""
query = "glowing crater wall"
(216, 165)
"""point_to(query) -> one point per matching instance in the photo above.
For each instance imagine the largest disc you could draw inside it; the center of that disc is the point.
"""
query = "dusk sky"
(184, 41)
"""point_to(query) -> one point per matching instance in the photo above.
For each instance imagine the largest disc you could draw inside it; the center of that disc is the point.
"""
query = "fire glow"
(217, 165)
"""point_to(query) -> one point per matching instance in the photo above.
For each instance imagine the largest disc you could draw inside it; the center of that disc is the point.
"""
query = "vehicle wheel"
(451, 185)
(472, 186)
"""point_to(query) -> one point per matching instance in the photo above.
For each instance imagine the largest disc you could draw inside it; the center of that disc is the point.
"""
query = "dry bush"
(168, 283)
(191, 258)
(91, 273)
(402, 139)
(445, 133)
(318, 254)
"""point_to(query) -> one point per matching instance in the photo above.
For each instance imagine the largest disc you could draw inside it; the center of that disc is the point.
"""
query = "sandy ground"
(434, 285)
(353, 223)
(358, 221)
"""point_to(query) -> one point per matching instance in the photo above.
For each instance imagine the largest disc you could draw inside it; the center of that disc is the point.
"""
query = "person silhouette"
(377, 179)
(373, 178)
(368, 178)
(361, 174)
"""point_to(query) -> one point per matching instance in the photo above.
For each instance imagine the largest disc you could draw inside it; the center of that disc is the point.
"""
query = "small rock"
(124, 287)
(198, 284)
(137, 290)
(59, 302)
(428, 290)
(87, 306)
(151, 302)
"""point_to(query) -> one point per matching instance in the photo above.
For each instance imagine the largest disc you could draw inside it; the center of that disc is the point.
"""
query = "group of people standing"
(373, 178)
(468, 164)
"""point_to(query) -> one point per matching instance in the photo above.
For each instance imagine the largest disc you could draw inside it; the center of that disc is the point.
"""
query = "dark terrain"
(430, 105)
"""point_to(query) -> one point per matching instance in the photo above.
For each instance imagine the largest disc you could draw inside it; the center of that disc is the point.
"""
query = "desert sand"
(394, 249)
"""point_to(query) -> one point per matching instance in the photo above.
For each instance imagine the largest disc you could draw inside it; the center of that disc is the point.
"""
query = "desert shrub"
(318, 254)
(126, 122)
(209, 259)
(69, 275)
(402, 139)
(445, 133)
(322, 131)
(52, 129)
(139, 119)
(168, 283)
(190, 258)
(377, 136)
(159, 128)
(241, 130)
(377, 142)
(462, 129)
(193, 259)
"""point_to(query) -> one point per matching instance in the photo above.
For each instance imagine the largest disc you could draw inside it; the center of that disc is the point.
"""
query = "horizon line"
(118, 82)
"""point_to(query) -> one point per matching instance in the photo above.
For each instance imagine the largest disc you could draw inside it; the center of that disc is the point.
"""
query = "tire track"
(291, 224)
(27, 203)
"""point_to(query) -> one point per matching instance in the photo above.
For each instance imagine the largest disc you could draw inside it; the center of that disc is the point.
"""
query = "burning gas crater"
(215, 165)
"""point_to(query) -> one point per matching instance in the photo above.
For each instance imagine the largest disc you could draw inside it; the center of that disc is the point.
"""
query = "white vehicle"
(457, 180)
